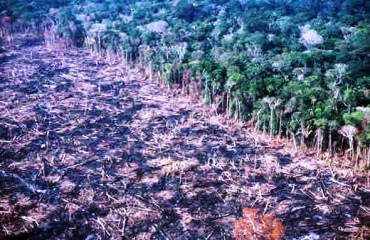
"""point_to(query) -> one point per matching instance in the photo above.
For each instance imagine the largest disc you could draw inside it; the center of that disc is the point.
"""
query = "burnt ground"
(91, 150)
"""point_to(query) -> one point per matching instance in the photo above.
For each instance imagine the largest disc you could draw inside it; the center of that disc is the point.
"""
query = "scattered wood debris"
(90, 150)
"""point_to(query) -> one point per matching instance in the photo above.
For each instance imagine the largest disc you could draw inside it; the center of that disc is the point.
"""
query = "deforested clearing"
(198, 119)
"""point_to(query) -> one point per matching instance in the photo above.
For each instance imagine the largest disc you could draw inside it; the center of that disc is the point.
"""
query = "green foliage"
(245, 50)
(354, 118)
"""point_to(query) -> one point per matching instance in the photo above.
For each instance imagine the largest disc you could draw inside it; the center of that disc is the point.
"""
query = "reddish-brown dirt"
(92, 150)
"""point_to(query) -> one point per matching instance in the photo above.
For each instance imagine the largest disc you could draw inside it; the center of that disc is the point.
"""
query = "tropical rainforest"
(283, 72)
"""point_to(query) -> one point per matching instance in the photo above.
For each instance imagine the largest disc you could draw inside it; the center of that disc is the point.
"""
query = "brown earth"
(92, 150)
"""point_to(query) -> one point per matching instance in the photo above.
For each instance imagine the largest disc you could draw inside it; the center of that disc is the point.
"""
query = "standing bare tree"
(309, 37)
(349, 132)
(273, 103)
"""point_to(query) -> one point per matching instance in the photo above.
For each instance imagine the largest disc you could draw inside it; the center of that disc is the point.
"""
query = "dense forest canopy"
(300, 69)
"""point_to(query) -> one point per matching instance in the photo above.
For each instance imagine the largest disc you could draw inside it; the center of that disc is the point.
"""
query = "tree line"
(297, 69)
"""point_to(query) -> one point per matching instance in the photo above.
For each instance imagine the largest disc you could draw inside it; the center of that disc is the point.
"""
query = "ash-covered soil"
(93, 150)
